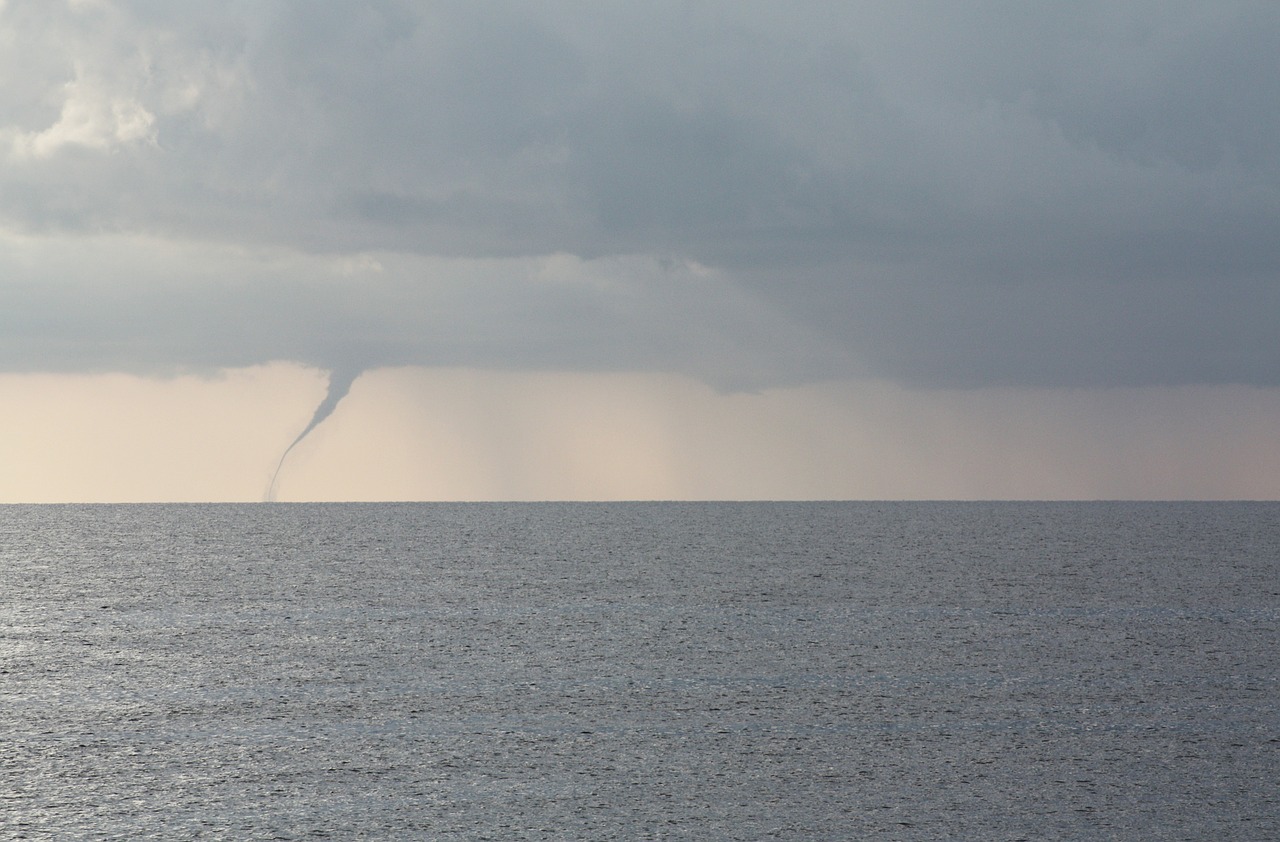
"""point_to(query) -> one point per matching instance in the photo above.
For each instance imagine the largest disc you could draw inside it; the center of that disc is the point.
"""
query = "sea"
(706, 671)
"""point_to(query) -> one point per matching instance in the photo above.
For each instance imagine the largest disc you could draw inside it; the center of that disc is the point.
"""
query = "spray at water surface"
(339, 384)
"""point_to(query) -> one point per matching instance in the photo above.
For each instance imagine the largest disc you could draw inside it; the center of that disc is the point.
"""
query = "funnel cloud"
(339, 384)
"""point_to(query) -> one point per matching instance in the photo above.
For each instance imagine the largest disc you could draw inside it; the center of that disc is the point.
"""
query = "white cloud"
(102, 76)
(91, 117)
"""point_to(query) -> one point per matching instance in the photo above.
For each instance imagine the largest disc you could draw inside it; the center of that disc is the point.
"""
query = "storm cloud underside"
(752, 195)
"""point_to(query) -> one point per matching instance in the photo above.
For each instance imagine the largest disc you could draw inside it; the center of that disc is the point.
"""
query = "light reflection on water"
(703, 671)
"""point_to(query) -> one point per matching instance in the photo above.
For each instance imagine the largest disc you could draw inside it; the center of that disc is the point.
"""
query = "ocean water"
(641, 671)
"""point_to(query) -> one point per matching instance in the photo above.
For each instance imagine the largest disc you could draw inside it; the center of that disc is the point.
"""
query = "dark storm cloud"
(164, 309)
(945, 194)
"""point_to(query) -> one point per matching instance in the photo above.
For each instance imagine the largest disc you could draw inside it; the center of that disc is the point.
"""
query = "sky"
(672, 250)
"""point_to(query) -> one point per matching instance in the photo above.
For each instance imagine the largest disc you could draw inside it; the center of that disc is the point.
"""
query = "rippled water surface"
(641, 671)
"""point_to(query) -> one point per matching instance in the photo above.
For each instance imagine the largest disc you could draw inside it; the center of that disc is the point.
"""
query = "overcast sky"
(944, 198)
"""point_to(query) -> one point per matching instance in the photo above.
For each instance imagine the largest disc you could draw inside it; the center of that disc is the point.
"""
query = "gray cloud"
(752, 194)
(167, 308)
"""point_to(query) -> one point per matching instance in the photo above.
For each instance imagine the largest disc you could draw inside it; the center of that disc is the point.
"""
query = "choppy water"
(641, 671)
